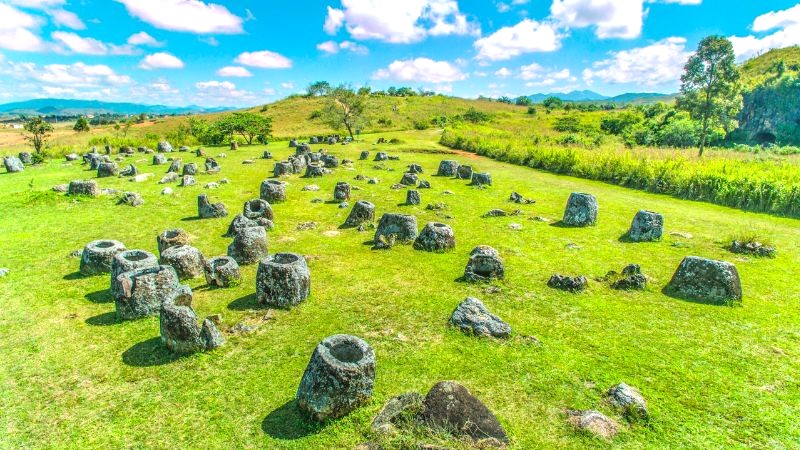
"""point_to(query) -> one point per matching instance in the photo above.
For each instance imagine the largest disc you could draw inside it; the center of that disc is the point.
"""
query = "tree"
(710, 90)
(523, 101)
(250, 126)
(344, 107)
(318, 88)
(81, 125)
(551, 103)
(37, 132)
(505, 99)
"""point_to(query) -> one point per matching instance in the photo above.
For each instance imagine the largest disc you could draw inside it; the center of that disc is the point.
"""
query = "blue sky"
(237, 53)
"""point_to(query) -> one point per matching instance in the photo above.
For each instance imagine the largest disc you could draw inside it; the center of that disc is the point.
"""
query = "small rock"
(472, 317)
(305, 226)
(62, 188)
(628, 402)
(569, 284)
(593, 422)
(495, 213)
(4, 271)
(451, 407)
(310, 188)
(166, 191)
(131, 199)
(169, 178)
(398, 412)
(515, 226)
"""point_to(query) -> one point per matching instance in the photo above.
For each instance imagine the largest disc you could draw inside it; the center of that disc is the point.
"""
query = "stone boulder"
(464, 172)
(450, 407)
(187, 261)
(190, 169)
(212, 166)
(249, 245)
(481, 179)
(207, 210)
(222, 271)
(164, 147)
(159, 159)
(72, 157)
(338, 379)
(631, 279)
(412, 197)
(415, 168)
(171, 238)
(98, 256)
(362, 212)
(25, 157)
(126, 261)
(273, 191)
(647, 226)
(472, 317)
(241, 222)
(258, 209)
(593, 422)
(706, 280)
(293, 143)
(342, 191)
(402, 226)
(398, 412)
(569, 284)
(187, 180)
(131, 199)
(447, 168)
(283, 280)
(175, 166)
(13, 164)
(409, 179)
(484, 264)
(435, 237)
(282, 168)
(88, 188)
(171, 177)
(180, 331)
(314, 170)
(364, 155)
(330, 161)
(581, 210)
(381, 156)
(628, 402)
(142, 291)
(129, 171)
(107, 169)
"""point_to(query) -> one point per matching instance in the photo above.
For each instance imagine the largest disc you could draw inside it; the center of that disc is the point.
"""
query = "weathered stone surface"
(409, 179)
(171, 238)
(293, 143)
(381, 156)
(435, 237)
(330, 161)
(107, 169)
(88, 188)
(188, 180)
(72, 157)
(593, 422)
(338, 379)
(98, 255)
(234, 145)
(415, 168)
(159, 159)
(266, 155)
(464, 172)
(207, 210)
(187, 261)
(190, 169)
(447, 168)
(581, 210)
(241, 222)
(413, 198)
(314, 170)
(647, 226)
(706, 280)
(249, 245)
(212, 166)
(176, 165)
(183, 148)
(169, 178)
(495, 213)
(364, 155)
(402, 226)
(222, 271)
(164, 147)
(282, 168)
(129, 171)
(472, 317)
(398, 412)
(362, 212)
(142, 291)
(628, 401)
(481, 179)
(484, 264)
(258, 209)
(631, 278)
(126, 261)
(61, 188)
(179, 329)
(752, 248)
(131, 199)
(516, 197)
(13, 164)
(450, 407)
(423, 184)
(273, 191)
(283, 280)
(25, 157)
(569, 284)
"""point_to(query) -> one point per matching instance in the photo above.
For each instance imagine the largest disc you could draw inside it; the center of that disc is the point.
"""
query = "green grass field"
(74, 377)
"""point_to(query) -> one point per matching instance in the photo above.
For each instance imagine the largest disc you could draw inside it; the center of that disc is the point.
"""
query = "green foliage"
(344, 108)
(551, 103)
(81, 125)
(440, 121)
(37, 131)
(472, 115)
(680, 133)
(567, 124)
(619, 123)
(318, 88)
(250, 126)
(506, 100)
(420, 125)
(385, 122)
(523, 101)
(532, 110)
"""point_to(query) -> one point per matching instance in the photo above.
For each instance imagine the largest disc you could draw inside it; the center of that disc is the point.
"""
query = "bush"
(420, 125)
(474, 116)
(680, 133)
(385, 122)
(532, 110)
(567, 124)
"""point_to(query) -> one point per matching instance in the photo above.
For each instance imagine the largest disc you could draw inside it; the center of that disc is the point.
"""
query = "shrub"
(567, 124)
(420, 125)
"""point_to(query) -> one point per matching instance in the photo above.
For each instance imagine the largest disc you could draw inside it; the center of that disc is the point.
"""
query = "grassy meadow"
(714, 376)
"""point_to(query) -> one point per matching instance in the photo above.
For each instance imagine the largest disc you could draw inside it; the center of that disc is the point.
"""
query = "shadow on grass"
(626, 239)
(672, 293)
(73, 276)
(102, 296)
(562, 224)
(370, 242)
(103, 320)
(246, 303)
(191, 219)
(288, 423)
(148, 353)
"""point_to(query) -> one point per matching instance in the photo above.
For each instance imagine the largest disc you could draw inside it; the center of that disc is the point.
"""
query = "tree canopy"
(344, 107)
(37, 131)
(81, 125)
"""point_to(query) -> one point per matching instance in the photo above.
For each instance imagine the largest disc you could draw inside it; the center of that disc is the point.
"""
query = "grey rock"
(496, 213)
(126, 261)
(187, 261)
(4, 272)
(364, 155)
(516, 197)
(447, 168)
(415, 168)
(164, 147)
(409, 179)
(464, 172)
(398, 412)
(373, 181)
(142, 291)
(310, 188)
(159, 159)
(222, 271)
(190, 169)
(234, 145)
(266, 155)
(175, 237)
(481, 179)
(293, 143)
(282, 168)
(176, 165)
(423, 184)
(25, 157)
(647, 226)
(183, 148)
(61, 188)
(98, 255)
(706, 280)
(381, 156)
(241, 222)
(412, 197)
(249, 245)
(581, 210)
(628, 401)
(314, 170)
(107, 169)
(484, 264)
(283, 280)
(435, 237)
(166, 191)
(188, 180)
(342, 191)
(180, 331)
(362, 212)
(330, 161)
(273, 191)
(131, 199)
(632, 278)
(566, 283)
(450, 407)
(13, 164)
(129, 171)
(344, 205)
(169, 178)
(752, 248)
(472, 317)
(207, 210)
(212, 166)
(72, 157)
(258, 209)
(402, 226)
(593, 422)
(88, 188)
(338, 379)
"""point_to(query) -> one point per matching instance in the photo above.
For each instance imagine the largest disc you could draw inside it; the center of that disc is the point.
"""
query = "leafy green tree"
(81, 125)
(364, 90)
(567, 124)
(532, 110)
(710, 89)
(552, 103)
(619, 123)
(679, 133)
(318, 88)
(344, 107)
(475, 116)
(523, 101)
(505, 99)
(37, 132)
(250, 126)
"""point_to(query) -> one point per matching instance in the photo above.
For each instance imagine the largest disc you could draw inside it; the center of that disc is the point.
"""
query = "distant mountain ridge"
(591, 96)
(70, 107)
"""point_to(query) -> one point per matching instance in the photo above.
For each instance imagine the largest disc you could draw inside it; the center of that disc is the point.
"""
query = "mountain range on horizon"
(74, 107)
(591, 96)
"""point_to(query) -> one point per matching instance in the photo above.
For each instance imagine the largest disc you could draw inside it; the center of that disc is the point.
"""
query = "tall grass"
(753, 184)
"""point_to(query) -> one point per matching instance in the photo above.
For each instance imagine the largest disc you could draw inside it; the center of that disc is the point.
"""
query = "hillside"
(757, 70)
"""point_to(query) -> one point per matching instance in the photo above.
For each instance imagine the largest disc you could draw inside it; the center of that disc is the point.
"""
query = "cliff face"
(771, 112)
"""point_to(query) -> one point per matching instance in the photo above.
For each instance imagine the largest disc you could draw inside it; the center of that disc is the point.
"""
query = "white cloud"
(329, 47)
(15, 30)
(421, 70)
(78, 44)
(269, 91)
(161, 60)
(264, 59)
(787, 24)
(77, 75)
(287, 85)
(399, 22)
(67, 19)
(527, 36)
(536, 75)
(234, 71)
(656, 64)
(191, 16)
(222, 93)
(37, 4)
(142, 38)
(333, 47)
(611, 18)
(503, 72)
(163, 86)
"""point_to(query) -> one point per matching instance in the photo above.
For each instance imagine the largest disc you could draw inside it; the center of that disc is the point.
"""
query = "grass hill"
(757, 70)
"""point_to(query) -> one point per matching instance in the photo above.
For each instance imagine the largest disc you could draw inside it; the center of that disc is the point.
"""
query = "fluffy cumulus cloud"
(399, 22)
(66, 19)
(422, 70)
(18, 30)
(660, 63)
(264, 59)
(190, 16)
(78, 44)
(502, 72)
(333, 47)
(775, 29)
(215, 93)
(528, 36)
(611, 18)
(161, 60)
(538, 76)
(234, 71)
(73, 76)
(142, 38)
